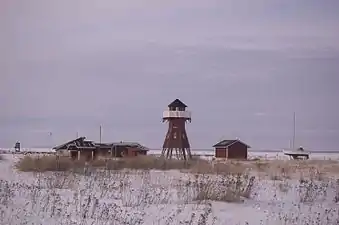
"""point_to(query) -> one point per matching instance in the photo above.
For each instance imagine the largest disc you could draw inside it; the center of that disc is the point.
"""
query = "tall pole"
(100, 134)
(51, 139)
(77, 134)
(293, 140)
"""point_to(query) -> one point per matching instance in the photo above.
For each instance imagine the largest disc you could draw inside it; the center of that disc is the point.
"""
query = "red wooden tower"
(176, 137)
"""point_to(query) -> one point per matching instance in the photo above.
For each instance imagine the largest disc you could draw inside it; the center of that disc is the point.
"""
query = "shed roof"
(177, 103)
(227, 143)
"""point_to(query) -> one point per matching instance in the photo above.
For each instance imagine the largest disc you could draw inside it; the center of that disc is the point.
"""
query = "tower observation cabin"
(176, 138)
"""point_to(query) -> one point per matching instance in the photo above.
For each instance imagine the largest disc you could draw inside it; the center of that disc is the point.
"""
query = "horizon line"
(206, 149)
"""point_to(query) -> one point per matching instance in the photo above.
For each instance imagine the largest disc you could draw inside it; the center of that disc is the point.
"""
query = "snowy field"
(308, 196)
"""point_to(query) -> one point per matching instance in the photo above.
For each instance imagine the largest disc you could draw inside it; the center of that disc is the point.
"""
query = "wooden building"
(231, 149)
(79, 148)
(121, 149)
(84, 149)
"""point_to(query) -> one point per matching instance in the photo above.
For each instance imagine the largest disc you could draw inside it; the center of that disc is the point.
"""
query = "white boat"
(299, 153)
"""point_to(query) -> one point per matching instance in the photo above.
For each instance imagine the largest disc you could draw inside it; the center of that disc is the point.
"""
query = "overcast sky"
(242, 67)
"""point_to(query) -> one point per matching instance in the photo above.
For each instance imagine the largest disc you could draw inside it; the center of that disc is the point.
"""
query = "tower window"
(175, 135)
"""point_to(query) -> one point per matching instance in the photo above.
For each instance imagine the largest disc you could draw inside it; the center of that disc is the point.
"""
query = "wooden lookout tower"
(176, 137)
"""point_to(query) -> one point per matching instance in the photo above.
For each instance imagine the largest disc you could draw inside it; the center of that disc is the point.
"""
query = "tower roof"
(177, 103)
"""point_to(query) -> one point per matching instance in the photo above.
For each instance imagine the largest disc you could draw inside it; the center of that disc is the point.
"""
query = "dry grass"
(274, 169)
(284, 187)
(55, 163)
(336, 197)
(287, 169)
(230, 188)
(281, 169)
(46, 163)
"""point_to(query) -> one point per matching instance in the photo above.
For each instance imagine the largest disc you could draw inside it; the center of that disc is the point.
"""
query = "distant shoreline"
(325, 151)
(197, 150)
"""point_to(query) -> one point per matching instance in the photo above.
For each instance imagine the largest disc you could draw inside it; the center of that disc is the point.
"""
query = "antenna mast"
(293, 140)
(100, 134)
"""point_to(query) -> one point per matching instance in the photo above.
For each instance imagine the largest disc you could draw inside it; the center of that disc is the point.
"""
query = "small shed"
(231, 149)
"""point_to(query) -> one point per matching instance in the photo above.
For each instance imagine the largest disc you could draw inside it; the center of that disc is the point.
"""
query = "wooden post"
(92, 154)
(78, 155)
(57, 161)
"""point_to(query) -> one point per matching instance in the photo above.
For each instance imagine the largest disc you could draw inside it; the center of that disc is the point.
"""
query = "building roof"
(227, 143)
(125, 144)
(102, 144)
(64, 145)
(79, 143)
(177, 103)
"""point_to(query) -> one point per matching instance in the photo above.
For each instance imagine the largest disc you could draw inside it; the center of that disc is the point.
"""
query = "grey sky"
(242, 67)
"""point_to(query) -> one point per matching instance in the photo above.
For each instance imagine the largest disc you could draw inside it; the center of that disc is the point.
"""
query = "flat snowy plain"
(150, 197)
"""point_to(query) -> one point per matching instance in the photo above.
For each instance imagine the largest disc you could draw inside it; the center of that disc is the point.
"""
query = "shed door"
(220, 153)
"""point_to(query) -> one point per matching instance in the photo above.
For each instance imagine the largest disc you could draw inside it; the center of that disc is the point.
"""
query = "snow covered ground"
(165, 197)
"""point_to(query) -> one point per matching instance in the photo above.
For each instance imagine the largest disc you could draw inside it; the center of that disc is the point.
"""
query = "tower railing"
(177, 114)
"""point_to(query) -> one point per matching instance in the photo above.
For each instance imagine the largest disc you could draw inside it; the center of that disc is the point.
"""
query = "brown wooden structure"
(79, 148)
(231, 149)
(88, 150)
(176, 138)
(121, 149)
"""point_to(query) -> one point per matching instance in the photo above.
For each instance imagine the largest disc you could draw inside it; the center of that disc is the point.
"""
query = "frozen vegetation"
(238, 193)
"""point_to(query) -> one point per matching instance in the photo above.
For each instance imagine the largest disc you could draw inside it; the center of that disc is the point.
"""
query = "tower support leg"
(180, 153)
(189, 154)
(163, 152)
(184, 154)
